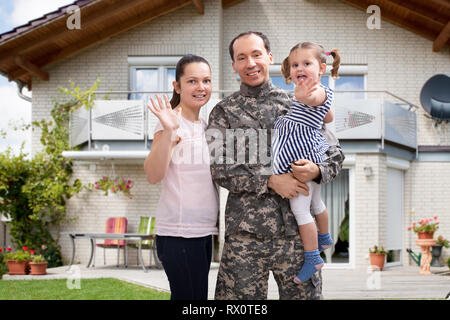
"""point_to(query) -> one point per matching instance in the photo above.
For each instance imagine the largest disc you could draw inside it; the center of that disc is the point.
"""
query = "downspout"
(20, 86)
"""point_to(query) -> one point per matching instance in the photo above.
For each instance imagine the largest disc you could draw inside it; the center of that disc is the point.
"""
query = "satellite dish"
(435, 97)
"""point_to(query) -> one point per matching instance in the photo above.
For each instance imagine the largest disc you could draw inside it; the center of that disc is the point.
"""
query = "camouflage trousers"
(245, 264)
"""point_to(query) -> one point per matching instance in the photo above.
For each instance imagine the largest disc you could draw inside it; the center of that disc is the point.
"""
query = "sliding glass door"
(336, 196)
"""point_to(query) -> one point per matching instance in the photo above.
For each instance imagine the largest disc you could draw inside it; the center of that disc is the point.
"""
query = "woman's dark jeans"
(186, 262)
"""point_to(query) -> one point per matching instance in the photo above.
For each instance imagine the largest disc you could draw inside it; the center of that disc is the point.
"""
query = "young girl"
(187, 211)
(298, 137)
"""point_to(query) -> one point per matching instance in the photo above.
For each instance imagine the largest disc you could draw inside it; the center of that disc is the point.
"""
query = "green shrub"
(18, 255)
(34, 191)
(38, 258)
(52, 255)
(377, 250)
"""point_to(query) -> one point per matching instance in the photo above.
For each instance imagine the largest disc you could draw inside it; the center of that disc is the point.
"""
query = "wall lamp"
(368, 172)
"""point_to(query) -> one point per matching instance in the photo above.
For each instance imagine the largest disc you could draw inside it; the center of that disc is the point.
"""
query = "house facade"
(397, 166)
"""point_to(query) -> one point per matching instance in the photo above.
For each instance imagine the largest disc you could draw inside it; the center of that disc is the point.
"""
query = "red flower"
(435, 217)
(1, 250)
(25, 248)
(8, 249)
(32, 252)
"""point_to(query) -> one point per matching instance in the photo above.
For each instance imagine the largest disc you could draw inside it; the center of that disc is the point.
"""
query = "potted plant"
(425, 228)
(38, 265)
(377, 257)
(113, 186)
(18, 261)
(436, 251)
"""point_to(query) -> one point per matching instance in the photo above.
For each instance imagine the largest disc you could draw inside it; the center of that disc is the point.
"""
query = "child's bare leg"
(322, 222)
(321, 214)
(313, 261)
(308, 233)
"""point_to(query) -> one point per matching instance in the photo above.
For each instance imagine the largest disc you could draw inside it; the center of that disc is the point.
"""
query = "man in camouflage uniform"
(261, 233)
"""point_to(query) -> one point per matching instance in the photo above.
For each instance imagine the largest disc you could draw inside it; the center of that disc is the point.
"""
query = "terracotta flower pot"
(425, 235)
(38, 268)
(17, 268)
(377, 260)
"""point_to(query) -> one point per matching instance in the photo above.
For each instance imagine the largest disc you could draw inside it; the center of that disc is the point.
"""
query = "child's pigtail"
(336, 63)
(286, 70)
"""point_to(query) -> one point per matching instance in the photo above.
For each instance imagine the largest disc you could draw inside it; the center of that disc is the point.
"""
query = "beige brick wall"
(91, 209)
(427, 194)
(370, 207)
(181, 32)
(398, 61)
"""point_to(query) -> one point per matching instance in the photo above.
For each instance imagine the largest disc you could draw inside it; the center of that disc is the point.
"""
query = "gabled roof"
(427, 18)
(26, 49)
(42, 20)
(40, 42)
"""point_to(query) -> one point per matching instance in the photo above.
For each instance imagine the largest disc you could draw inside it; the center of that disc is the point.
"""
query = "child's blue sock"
(313, 263)
(325, 241)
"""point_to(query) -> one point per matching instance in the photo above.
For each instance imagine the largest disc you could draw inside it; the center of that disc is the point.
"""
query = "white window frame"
(344, 70)
(349, 163)
(160, 63)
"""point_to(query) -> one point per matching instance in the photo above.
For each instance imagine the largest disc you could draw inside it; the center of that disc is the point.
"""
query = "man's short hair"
(259, 34)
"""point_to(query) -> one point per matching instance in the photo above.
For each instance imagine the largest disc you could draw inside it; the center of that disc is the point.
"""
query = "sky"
(14, 110)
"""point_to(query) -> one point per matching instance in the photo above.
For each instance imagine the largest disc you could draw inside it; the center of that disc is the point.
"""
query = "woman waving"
(187, 211)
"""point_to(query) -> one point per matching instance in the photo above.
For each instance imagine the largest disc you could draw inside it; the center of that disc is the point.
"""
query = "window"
(336, 196)
(350, 83)
(279, 81)
(154, 74)
(351, 78)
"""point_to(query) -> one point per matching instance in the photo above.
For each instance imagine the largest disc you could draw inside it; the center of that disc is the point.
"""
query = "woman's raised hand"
(170, 119)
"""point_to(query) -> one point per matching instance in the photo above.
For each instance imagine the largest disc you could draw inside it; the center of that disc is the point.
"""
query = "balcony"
(122, 130)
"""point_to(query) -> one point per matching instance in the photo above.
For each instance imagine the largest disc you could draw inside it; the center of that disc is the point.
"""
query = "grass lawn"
(91, 289)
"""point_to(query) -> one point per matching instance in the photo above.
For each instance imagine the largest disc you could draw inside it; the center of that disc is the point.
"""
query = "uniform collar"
(254, 92)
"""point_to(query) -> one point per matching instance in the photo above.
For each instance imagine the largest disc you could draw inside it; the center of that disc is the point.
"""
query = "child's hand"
(304, 90)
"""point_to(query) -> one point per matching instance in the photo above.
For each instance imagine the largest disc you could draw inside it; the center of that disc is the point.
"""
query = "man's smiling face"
(251, 60)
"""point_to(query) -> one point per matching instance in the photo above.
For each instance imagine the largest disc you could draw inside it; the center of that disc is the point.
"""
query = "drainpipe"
(20, 86)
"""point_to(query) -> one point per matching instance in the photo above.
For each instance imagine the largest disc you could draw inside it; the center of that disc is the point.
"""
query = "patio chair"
(114, 225)
(147, 226)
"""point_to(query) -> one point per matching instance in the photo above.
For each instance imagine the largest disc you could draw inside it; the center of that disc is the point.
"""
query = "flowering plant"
(116, 185)
(19, 255)
(425, 225)
(443, 242)
(37, 259)
(377, 250)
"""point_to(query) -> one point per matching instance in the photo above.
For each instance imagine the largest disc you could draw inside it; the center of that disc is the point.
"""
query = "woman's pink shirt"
(188, 206)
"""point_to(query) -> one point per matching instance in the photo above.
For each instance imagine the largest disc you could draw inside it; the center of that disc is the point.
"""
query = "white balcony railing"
(120, 125)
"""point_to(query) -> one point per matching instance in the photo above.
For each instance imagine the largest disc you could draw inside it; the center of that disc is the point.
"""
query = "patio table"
(115, 236)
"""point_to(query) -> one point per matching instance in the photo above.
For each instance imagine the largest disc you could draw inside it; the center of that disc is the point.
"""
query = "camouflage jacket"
(251, 205)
